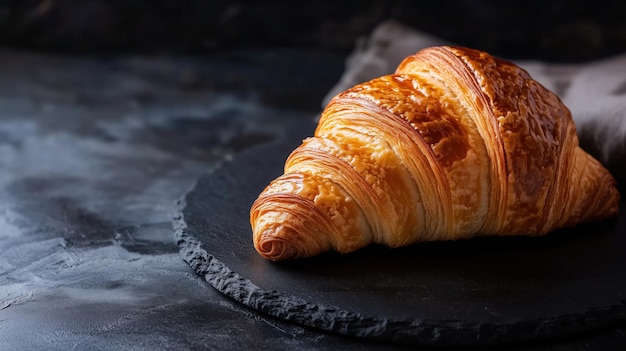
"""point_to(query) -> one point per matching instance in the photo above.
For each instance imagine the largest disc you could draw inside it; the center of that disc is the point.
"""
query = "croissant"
(455, 144)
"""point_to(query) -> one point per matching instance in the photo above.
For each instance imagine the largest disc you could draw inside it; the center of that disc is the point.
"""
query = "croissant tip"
(275, 248)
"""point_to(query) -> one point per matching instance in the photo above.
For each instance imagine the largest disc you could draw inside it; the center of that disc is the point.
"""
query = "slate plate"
(471, 292)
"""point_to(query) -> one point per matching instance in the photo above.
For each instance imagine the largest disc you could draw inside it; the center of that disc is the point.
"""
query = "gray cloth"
(595, 92)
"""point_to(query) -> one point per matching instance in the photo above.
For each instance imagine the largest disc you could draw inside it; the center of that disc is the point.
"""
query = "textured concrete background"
(93, 155)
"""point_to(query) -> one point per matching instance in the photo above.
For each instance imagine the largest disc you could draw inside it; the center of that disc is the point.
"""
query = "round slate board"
(478, 291)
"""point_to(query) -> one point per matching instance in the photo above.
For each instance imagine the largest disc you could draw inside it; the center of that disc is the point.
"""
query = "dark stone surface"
(473, 292)
(93, 155)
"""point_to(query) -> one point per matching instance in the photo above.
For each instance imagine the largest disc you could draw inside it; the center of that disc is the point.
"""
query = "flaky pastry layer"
(454, 144)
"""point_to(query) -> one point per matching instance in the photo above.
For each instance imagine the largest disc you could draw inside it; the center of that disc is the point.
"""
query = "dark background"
(550, 30)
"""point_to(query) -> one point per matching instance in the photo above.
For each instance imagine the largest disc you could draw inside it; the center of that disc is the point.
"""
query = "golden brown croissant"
(455, 144)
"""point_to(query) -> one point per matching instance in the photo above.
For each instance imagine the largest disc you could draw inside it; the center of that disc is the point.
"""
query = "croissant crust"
(455, 144)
